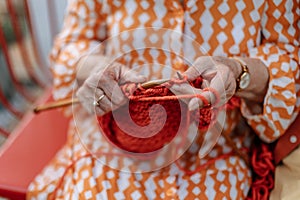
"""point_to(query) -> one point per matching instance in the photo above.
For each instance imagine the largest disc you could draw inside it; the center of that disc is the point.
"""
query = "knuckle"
(109, 74)
(101, 82)
(219, 59)
(120, 99)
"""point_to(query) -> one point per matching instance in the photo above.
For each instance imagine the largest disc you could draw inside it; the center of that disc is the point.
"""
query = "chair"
(31, 140)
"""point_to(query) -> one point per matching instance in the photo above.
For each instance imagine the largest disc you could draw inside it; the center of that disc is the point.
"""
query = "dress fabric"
(259, 29)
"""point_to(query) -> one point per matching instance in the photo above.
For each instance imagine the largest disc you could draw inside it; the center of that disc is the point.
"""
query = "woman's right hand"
(104, 79)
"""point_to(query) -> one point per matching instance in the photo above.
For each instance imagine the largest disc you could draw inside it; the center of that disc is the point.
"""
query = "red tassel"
(263, 166)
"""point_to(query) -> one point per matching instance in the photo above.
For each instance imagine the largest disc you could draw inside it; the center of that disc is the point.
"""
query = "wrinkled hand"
(105, 80)
(219, 74)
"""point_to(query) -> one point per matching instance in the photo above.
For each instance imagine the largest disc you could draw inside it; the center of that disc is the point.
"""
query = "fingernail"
(194, 104)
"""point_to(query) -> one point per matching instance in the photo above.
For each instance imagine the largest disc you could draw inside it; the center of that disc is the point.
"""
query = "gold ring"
(97, 103)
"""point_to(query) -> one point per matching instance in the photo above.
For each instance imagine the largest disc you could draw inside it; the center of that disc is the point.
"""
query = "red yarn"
(263, 166)
(140, 102)
(234, 102)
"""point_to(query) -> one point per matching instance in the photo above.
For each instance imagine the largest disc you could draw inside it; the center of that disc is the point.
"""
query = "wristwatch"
(243, 81)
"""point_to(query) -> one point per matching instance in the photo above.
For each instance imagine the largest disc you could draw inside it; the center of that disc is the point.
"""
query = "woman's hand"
(217, 75)
(103, 82)
(220, 74)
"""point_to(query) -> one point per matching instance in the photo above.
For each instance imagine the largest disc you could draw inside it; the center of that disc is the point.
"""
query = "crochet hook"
(70, 101)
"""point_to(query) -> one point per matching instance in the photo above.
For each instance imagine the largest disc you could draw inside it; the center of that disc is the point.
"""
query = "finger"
(183, 89)
(98, 93)
(201, 100)
(192, 73)
(219, 91)
(117, 96)
(97, 105)
(131, 76)
(205, 83)
(209, 74)
(105, 104)
(224, 85)
(85, 99)
(195, 71)
(113, 91)
(195, 103)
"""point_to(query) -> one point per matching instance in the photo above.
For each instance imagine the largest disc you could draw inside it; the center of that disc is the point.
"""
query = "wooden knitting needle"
(153, 83)
(56, 104)
(180, 76)
(68, 102)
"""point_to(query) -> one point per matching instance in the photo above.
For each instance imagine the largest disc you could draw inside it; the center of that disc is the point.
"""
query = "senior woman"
(263, 36)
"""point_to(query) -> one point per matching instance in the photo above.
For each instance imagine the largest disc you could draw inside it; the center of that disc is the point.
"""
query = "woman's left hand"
(219, 74)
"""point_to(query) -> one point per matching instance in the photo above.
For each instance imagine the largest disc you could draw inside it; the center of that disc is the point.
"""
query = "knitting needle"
(180, 76)
(153, 83)
(56, 104)
(68, 102)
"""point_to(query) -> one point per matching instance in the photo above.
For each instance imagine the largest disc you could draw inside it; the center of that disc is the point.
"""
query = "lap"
(75, 174)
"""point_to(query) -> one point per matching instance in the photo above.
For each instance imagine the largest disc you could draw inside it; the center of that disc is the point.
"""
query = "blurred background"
(27, 31)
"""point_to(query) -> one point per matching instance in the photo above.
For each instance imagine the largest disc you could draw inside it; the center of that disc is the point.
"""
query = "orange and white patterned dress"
(268, 30)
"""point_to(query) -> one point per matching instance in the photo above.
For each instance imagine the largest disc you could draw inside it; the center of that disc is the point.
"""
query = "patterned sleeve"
(83, 30)
(280, 52)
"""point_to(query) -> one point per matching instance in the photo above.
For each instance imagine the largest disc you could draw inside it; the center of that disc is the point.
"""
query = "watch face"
(245, 80)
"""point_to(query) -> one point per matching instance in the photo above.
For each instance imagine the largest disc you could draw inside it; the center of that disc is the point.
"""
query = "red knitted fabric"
(159, 132)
